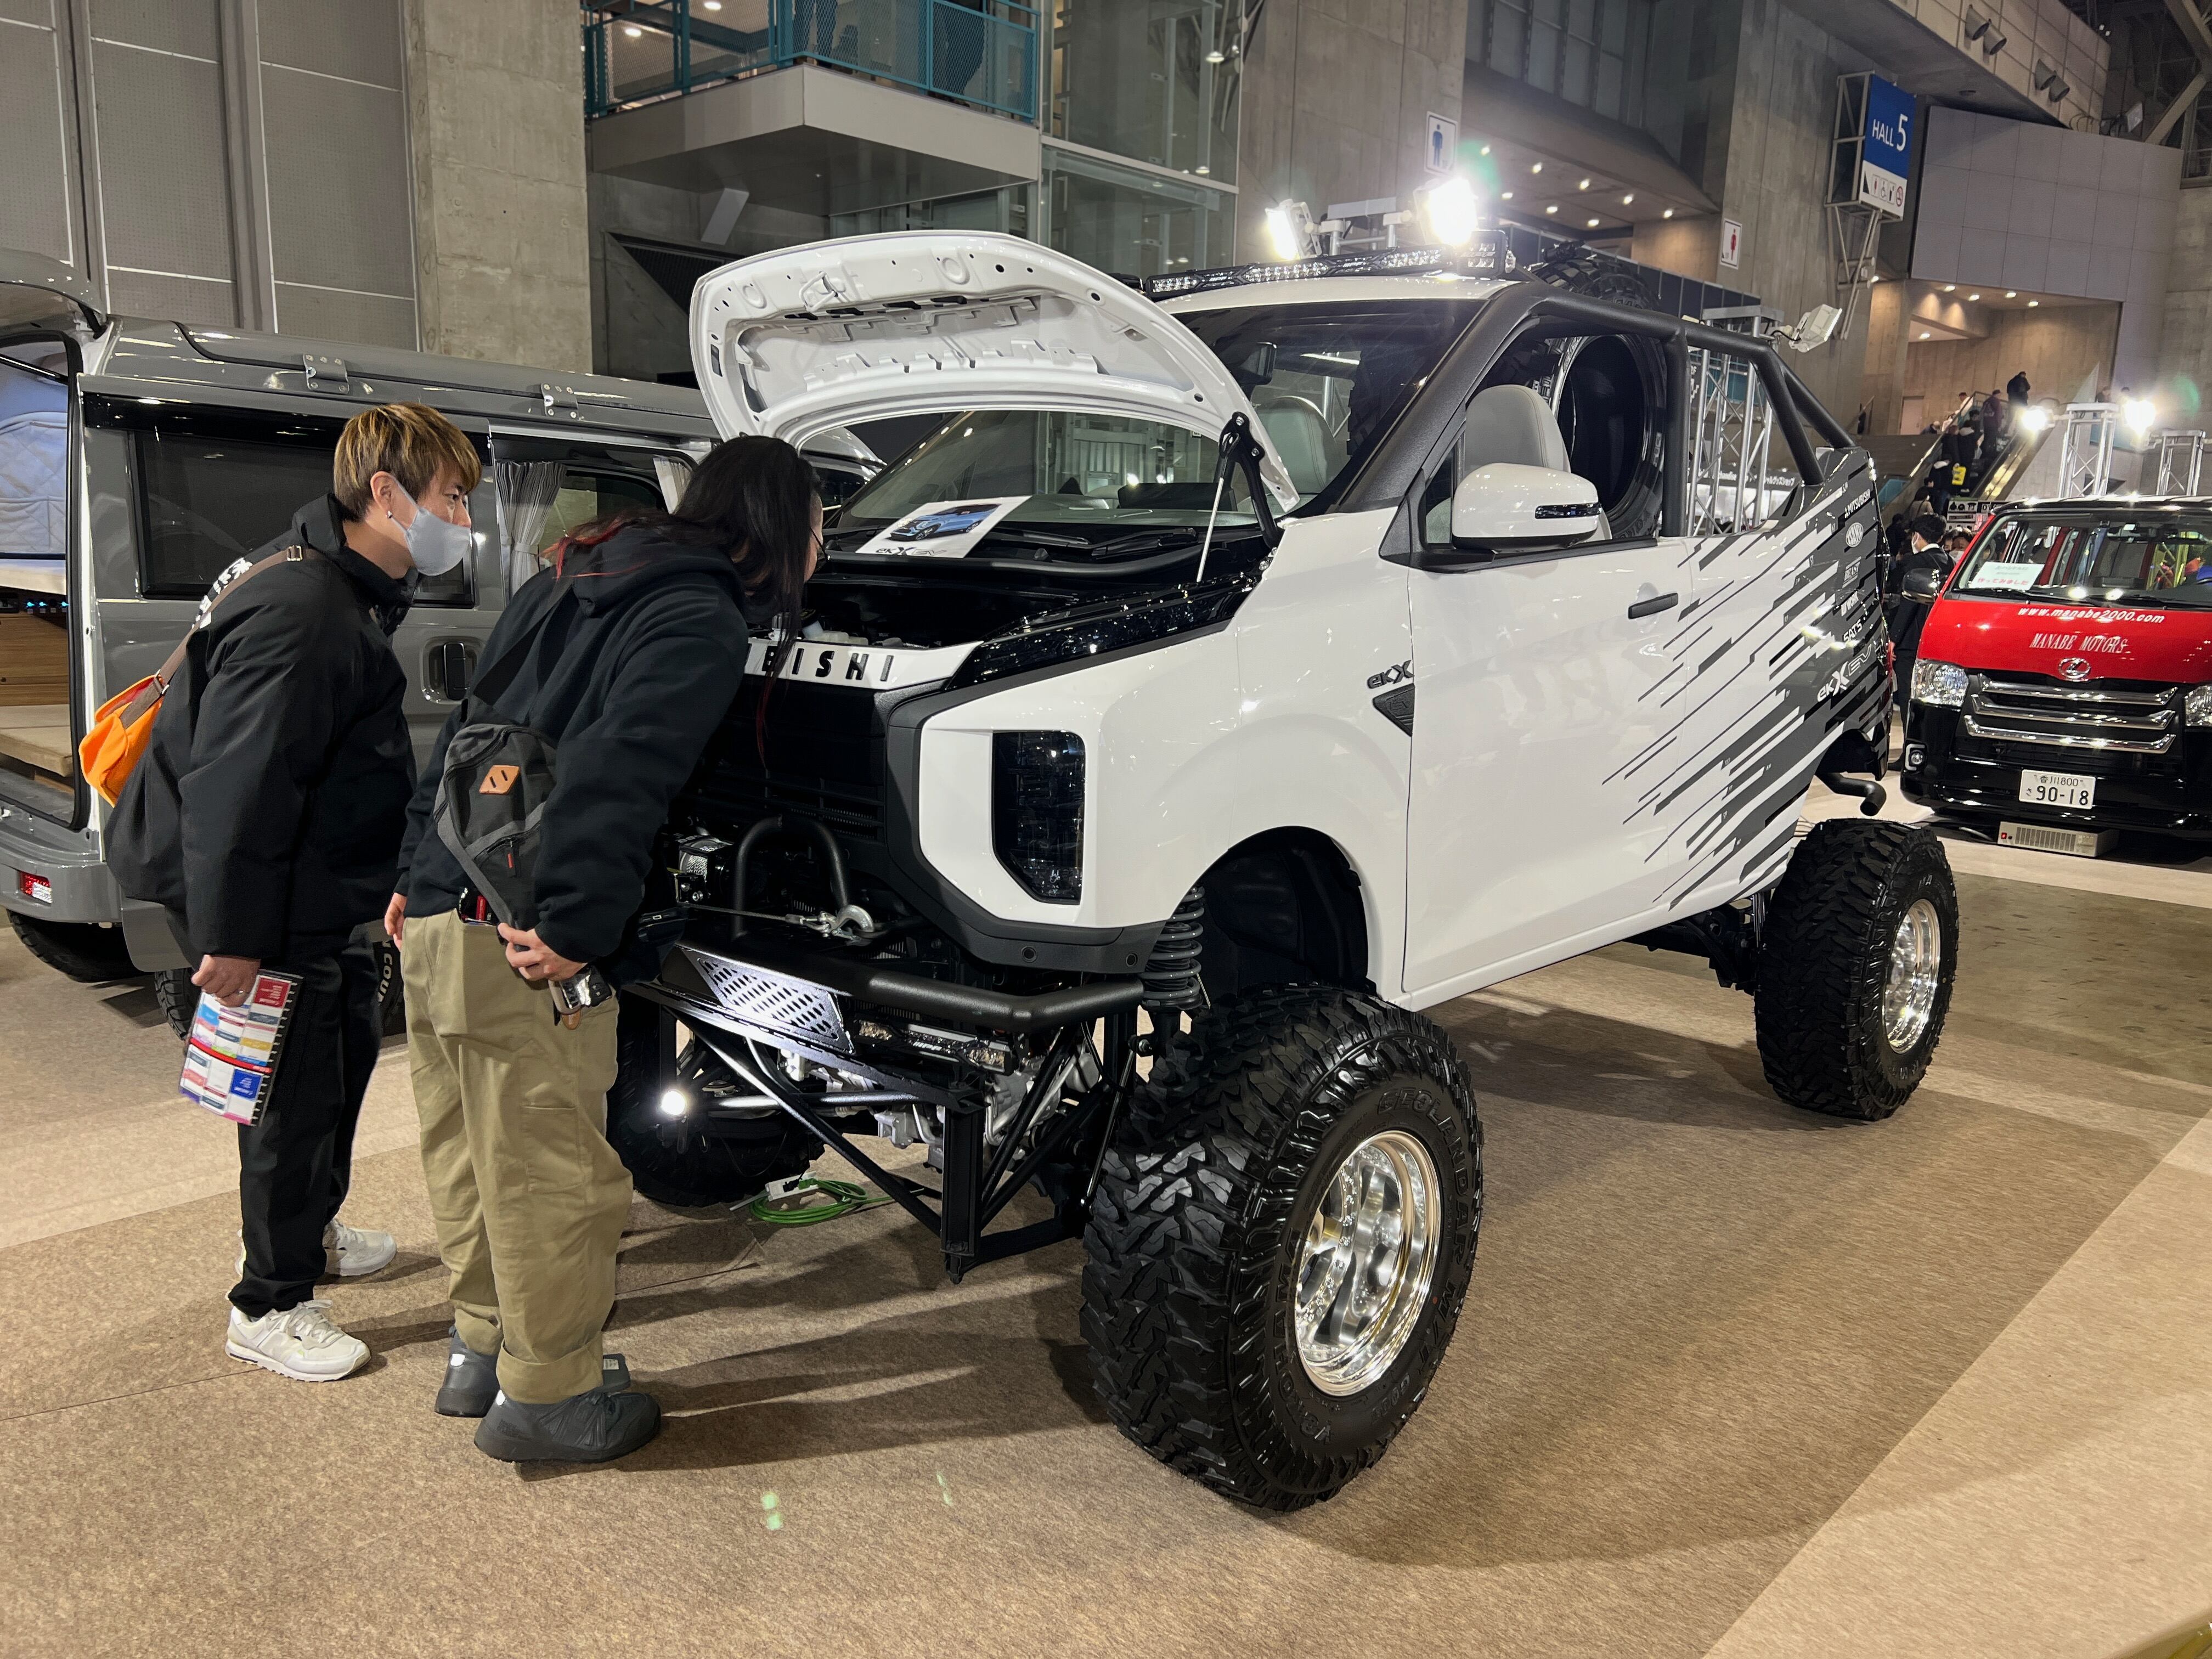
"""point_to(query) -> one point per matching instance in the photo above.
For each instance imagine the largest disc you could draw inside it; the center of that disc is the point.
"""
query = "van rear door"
(47, 317)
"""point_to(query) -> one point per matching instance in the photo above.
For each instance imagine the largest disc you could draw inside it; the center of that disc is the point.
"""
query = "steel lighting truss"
(1731, 432)
(2179, 457)
(2085, 452)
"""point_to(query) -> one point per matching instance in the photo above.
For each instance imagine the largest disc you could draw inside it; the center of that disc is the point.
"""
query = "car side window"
(549, 488)
(212, 490)
(1593, 405)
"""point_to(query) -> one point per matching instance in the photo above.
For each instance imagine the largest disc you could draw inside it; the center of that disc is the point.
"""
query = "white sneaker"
(353, 1252)
(300, 1343)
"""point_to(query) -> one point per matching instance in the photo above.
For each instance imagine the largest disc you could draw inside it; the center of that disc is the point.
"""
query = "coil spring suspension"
(1171, 981)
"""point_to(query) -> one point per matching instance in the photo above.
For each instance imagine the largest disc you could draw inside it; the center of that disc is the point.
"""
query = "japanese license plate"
(2070, 789)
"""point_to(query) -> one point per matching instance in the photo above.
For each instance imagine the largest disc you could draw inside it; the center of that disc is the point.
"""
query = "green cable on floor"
(843, 1198)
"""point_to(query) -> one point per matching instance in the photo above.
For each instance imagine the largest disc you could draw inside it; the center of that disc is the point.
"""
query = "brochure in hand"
(230, 1058)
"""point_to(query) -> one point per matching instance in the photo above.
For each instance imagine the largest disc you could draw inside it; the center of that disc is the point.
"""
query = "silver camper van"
(139, 458)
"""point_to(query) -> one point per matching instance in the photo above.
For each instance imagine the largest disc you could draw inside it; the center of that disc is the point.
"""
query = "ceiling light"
(632, 30)
(1669, 213)
(1539, 167)
(1554, 208)
(1584, 186)
(2012, 294)
(1593, 224)
(713, 5)
(1485, 150)
(1923, 333)
(2031, 304)
(1950, 288)
(1504, 195)
(1627, 200)
(1217, 56)
(1973, 297)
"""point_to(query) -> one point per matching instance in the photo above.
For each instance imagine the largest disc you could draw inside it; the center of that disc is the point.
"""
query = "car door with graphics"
(1536, 666)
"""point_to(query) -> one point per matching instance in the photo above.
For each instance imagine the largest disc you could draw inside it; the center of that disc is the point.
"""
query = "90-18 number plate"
(2066, 789)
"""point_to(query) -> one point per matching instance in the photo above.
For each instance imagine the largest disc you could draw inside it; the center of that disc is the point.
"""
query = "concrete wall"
(1337, 95)
(1888, 333)
(638, 328)
(1749, 95)
(2059, 348)
(2184, 380)
(495, 100)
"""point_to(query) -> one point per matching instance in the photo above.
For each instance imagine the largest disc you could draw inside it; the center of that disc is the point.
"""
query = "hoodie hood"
(609, 572)
(321, 525)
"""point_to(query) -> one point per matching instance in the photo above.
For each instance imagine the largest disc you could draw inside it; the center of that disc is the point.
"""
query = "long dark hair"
(752, 499)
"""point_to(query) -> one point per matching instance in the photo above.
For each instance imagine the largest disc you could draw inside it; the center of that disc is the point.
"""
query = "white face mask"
(435, 544)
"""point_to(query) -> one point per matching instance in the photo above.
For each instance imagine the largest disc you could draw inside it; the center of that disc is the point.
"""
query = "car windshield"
(1328, 377)
(1055, 475)
(2163, 560)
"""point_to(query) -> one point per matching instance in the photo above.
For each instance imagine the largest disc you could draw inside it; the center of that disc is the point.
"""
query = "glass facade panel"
(1132, 223)
(1590, 52)
(1153, 80)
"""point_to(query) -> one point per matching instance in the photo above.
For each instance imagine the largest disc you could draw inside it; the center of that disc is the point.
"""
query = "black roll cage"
(1430, 422)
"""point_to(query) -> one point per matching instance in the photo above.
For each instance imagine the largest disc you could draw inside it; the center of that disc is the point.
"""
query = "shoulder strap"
(158, 686)
(492, 681)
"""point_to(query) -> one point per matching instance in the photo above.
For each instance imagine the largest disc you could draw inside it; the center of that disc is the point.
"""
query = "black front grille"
(816, 752)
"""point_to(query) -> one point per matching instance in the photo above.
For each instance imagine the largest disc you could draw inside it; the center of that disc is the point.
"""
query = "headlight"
(1943, 684)
(1037, 812)
(2196, 707)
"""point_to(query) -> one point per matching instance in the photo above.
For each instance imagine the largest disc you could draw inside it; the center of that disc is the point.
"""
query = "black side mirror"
(1922, 584)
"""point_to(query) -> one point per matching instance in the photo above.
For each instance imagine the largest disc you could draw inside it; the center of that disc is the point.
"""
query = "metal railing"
(979, 52)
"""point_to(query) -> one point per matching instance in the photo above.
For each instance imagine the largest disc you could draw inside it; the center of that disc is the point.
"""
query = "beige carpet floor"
(1729, 1375)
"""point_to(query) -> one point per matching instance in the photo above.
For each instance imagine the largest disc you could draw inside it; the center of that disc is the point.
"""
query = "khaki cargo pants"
(530, 1200)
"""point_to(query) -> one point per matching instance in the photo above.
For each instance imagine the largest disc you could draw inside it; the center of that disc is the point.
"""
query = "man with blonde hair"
(266, 817)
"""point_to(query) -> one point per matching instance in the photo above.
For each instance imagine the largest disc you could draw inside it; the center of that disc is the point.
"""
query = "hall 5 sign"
(1885, 156)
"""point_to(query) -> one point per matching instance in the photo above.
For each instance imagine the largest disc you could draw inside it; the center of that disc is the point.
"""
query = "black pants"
(294, 1166)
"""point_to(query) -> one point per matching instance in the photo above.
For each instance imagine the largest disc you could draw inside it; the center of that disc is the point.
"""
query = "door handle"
(1652, 607)
(447, 667)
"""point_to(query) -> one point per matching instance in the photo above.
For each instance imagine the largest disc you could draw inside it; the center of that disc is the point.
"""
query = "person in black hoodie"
(266, 817)
(626, 655)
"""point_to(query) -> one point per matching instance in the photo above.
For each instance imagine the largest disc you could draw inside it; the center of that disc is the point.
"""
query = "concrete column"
(496, 121)
(1881, 388)
(1336, 98)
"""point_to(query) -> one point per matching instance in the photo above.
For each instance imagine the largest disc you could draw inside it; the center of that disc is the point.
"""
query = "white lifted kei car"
(1230, 675)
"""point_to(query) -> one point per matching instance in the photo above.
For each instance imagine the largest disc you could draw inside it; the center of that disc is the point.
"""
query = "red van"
(2061, 676)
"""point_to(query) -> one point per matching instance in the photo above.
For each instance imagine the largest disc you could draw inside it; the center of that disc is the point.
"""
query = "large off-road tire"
(1855, 967)
(84, 950)
(178, 998)
(693, 1162)
(1219, 1217)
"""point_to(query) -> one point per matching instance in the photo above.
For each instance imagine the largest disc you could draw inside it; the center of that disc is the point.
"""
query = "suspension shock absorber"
(1171, 973)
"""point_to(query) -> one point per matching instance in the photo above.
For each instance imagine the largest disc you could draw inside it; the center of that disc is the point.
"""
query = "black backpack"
(493, 789)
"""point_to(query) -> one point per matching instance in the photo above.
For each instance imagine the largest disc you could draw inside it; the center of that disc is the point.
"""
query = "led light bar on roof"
(1486, 256)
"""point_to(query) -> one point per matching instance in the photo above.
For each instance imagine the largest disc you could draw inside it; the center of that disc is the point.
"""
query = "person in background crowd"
(266, 816)
(1996, 421)
(2017, 393)
(1906, 613)
(1939, 473)
(633, 644)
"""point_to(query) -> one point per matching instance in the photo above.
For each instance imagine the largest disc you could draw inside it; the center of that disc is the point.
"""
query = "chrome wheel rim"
(1368, 1259)
(1915, 965)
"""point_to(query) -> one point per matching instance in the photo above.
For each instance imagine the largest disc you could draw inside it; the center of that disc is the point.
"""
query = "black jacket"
(267, 811)
(629, 680)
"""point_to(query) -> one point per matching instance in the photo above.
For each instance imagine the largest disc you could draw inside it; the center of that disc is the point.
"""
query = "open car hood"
(790, 343)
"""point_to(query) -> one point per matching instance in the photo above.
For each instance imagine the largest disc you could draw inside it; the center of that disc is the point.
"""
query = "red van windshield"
(2162, 559)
